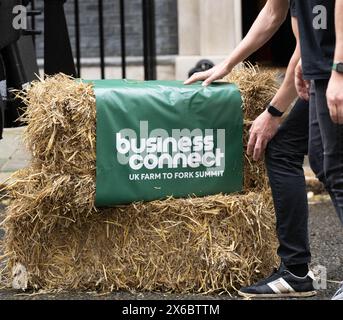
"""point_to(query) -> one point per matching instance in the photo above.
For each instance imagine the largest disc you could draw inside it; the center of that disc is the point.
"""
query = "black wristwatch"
(338, 67)
(274, 112)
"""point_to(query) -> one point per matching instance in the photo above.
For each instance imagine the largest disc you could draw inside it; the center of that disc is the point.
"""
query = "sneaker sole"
(279, 295)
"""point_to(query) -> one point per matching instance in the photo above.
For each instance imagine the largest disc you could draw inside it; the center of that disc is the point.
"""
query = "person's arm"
(287, 92)
(265, 26)
(335, 88)
(265, 126)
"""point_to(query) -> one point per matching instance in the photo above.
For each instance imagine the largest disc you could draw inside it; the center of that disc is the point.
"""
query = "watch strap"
(338, 67)
(274, 112)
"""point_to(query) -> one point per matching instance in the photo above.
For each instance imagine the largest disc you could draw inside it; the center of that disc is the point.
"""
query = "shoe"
(339, 294)
(281, 284)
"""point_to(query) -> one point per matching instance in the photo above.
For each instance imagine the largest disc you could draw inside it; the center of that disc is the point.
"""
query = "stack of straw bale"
(211, 244)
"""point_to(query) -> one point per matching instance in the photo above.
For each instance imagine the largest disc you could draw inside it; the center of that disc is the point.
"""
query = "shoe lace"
(276, 271)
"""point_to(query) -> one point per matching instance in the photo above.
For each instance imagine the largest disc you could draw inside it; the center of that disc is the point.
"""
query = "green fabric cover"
(157, 139)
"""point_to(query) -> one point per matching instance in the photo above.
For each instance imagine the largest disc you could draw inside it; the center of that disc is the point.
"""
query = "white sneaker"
(339, 294)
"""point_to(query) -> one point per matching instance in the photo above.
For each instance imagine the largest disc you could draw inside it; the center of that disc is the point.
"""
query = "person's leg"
(326, 151)
(332, 137)
(316, 149)
(284, 159)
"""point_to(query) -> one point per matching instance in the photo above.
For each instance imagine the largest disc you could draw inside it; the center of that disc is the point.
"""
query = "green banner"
(161, 138)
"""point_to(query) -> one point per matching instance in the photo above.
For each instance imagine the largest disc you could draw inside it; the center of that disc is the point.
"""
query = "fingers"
(257, 150)
(297, 80)
(340, 114)
(251, 144)
(257, 146)
(199, 76)
(305, 95)
(334, 96)
(260, 147)
(211, 75)
(302, 86)
(298, 85)
(303, 91)
(220, 74)
(335, 104)
(334, 112)
(209, 80)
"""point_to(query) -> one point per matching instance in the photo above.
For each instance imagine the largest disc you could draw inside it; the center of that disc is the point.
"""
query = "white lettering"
(194, 149)
(136, 162)
(321, 20)
(20, 20)
(132, 310)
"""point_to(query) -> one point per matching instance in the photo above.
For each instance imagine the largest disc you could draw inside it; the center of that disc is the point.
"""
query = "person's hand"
(216, 73)
(334, 96)
(262, 131)
(302, 86)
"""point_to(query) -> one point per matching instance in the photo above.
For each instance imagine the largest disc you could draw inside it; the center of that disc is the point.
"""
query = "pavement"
(326, 235)
(13, 155)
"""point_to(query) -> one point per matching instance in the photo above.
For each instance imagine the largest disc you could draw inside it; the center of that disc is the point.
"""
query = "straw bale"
(257, 86)
(207, 245)
(210, 244)
(61, 125)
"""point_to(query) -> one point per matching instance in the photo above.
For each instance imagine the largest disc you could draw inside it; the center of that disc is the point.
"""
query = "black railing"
(33, 20)
(33, 13)
(77, 38)
(149, 38)
(122, 38)
(101, 38)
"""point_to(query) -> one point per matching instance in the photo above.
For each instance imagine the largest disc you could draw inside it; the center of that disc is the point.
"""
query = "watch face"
(340, 67)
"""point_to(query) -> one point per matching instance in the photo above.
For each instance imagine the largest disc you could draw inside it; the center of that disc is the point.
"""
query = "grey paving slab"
(14, 165)
(13, 154)
(12, 141)
(7, 148)
(2, 162)
(21, 153)
(3, 177)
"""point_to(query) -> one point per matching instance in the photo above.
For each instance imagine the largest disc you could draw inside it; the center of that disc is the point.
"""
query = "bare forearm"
(287, 92)
(339, 30)
(267, 23)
